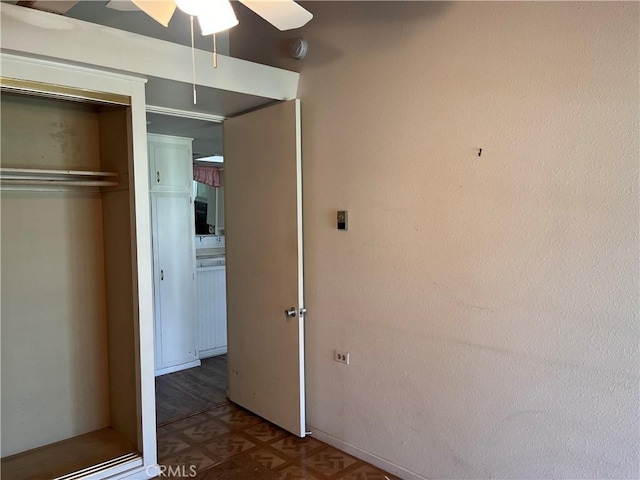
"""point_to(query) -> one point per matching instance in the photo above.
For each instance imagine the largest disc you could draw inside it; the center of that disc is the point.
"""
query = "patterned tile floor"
(230, 443)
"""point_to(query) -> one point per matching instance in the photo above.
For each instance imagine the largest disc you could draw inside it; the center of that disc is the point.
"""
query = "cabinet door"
(174, 271)
(170, 164)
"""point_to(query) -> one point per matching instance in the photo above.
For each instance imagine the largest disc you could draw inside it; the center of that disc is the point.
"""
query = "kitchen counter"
(207, 262)
(209, 252)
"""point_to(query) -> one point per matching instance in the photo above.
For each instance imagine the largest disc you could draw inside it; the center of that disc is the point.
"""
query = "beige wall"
(54, 359)
(489, 304)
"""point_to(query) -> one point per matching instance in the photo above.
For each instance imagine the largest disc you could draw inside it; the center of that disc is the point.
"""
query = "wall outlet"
(341, 357)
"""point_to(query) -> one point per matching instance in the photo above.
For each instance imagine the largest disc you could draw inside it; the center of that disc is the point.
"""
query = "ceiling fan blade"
(282, 14)
(160, 10)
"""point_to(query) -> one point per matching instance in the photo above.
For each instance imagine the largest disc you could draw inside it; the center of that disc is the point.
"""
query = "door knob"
(290, 313)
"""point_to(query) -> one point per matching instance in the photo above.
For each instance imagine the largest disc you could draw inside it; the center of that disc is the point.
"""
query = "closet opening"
(70, 396)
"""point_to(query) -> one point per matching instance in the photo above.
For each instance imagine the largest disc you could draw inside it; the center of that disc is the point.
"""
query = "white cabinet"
(171, 169)
(174, 279)
(168, 167)
(212, 311)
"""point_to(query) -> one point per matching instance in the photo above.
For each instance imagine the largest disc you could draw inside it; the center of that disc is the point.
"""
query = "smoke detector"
(298, 48)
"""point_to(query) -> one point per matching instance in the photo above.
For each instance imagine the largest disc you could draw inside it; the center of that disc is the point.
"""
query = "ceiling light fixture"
(217, 16)
(214, 16)
(191, 7)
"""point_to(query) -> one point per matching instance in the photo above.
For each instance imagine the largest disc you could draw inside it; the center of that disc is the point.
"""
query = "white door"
(174, 267)
(263, 203)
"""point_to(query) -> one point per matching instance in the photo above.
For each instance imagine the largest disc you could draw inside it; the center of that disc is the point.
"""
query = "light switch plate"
(343, 220)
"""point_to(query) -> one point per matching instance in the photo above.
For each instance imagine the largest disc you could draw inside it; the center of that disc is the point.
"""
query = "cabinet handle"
(158, 176)
(161, 274)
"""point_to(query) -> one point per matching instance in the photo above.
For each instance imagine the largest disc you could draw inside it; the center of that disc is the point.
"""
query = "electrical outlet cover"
(341, 357)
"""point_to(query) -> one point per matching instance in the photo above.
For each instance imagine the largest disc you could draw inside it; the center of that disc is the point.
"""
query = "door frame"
(207, 117)
(212, 118)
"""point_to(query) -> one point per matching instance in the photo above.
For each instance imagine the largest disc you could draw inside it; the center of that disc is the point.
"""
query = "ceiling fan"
(217, 15)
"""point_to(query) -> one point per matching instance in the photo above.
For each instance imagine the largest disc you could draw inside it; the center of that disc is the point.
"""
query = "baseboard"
(177, 368)
(364, 455)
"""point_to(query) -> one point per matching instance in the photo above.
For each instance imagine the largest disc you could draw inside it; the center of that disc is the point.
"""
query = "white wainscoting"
(212, 311)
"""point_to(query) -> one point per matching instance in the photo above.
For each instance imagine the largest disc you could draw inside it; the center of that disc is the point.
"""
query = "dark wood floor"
(185, 393)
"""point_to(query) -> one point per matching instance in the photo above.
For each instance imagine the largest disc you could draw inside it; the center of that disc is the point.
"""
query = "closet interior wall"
(69, 360)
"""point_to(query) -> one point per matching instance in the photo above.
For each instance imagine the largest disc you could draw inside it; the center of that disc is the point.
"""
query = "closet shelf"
(47, 177)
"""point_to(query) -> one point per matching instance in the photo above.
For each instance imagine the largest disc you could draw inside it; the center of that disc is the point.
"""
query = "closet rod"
(53, 183)
(40, 171)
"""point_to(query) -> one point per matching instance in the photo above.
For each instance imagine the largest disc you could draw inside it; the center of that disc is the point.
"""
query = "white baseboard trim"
(177, 368)
(364, 455)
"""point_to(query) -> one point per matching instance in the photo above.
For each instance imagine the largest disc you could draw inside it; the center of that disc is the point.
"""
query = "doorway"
(263, 281)
(191, 388)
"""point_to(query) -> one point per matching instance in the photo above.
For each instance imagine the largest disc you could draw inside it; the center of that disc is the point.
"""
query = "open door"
(265, 314)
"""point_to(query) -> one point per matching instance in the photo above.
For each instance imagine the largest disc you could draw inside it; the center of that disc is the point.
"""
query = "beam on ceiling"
(32, 32)
(174, 112)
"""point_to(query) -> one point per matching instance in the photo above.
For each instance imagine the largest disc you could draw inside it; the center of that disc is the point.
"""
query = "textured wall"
(489, 304)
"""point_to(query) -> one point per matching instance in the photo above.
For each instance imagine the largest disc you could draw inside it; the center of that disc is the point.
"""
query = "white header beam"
(33, 32)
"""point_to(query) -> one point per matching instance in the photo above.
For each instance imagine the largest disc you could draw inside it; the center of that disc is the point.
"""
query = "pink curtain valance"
(207, 175)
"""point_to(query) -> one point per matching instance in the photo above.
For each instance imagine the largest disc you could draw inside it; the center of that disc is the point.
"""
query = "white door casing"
(263, 202)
